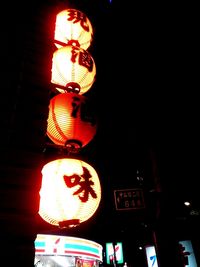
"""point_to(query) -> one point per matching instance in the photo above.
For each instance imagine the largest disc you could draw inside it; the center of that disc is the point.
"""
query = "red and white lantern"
(73, 70)
(70, 121)
(70, 191)
(73, 28)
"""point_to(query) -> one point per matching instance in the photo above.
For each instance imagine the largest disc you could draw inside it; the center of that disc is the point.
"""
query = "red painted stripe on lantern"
(54, 119)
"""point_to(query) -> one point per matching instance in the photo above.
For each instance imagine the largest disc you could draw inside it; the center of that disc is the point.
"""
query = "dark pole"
(114, 255)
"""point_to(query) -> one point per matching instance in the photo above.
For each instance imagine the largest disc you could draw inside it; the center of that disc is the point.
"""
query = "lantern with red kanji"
(73, 28)
(70, 192)
(73, 69)
(71, 121)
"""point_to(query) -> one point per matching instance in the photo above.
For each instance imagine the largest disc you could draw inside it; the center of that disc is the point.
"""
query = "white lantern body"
(73, 28)
(73, 65)
(70, 190)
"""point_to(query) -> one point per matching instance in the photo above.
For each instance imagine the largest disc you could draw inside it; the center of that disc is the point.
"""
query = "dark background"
(146, 99)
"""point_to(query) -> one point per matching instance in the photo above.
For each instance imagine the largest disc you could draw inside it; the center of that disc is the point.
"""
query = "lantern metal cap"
(73, 87)
(73, 146)
(69, 223)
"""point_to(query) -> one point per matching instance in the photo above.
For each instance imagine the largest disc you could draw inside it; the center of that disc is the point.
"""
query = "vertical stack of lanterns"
(70, 191)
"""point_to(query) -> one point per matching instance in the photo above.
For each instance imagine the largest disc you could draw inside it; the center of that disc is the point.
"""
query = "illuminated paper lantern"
(73, 70)
(74, 28)
(70, 191)
(70, 121)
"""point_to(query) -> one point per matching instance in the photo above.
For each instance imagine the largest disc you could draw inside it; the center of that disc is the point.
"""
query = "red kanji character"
(77, 16)
(85, 185)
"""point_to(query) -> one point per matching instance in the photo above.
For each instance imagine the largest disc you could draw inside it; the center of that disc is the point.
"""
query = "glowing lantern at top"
(74, 28)
(70, 192)
(73, 69)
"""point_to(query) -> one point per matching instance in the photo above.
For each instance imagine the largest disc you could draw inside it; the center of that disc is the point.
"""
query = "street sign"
(128, 199)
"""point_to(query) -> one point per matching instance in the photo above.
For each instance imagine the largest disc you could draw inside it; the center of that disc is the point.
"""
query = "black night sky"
(145, 97)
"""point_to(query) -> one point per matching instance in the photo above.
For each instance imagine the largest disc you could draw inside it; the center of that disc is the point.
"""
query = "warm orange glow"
(73, 65)
(70, 190)
(73, 27)
(70, 120)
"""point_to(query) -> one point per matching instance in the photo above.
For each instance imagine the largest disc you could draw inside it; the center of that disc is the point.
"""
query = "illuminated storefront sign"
(70, 250)
(187, 253)
(151, 256)
(114, 255)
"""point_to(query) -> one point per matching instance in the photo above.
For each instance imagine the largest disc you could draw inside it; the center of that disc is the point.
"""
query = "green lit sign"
(114, 255)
